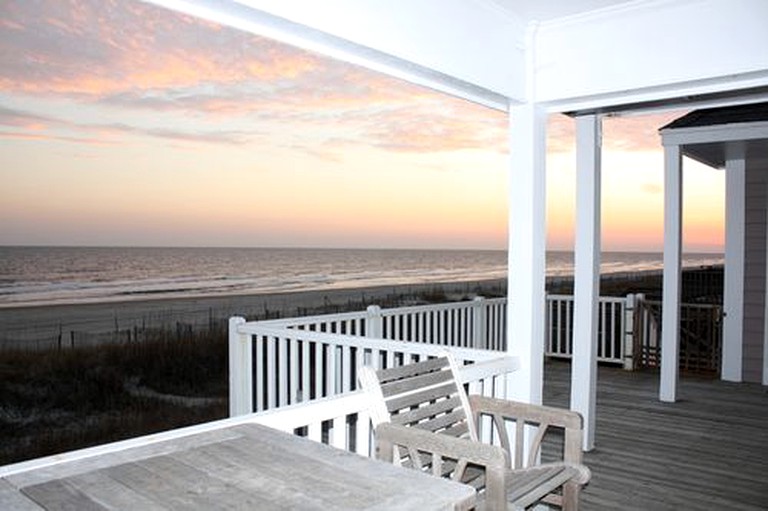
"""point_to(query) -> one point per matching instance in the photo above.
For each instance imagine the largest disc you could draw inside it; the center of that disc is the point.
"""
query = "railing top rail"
(297, 415)
(365, 342)
(688, 305)
(319, 318)
(400, 311)
(602, 299)
(345, 316)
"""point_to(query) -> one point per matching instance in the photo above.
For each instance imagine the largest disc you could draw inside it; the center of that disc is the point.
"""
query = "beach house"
(734, 139)
(528, 58)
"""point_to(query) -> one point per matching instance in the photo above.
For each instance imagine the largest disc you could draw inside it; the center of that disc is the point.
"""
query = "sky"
(123, 124)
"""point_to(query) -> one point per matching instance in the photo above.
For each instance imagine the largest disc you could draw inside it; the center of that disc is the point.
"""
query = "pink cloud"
(50, 128)
(135, 55)
(17, 135)
(93, 48)
(635, 133)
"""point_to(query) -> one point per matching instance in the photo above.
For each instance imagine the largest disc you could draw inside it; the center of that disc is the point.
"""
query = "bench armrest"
(445, 456)
(543, 417)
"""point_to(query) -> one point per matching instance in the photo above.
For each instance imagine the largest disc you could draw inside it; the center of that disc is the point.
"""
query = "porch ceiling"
(547, 10)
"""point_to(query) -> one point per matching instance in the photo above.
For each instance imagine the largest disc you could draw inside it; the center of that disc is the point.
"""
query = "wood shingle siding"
(754, 273)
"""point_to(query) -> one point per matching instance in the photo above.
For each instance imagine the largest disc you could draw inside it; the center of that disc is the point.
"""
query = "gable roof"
(704, 135)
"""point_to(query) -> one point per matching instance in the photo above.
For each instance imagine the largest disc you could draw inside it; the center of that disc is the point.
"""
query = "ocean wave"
(50, 275)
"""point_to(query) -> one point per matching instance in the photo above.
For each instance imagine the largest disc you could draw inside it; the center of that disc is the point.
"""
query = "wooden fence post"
(374, 324)
(240, 369)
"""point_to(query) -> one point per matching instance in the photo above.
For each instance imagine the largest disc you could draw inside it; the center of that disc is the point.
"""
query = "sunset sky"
(125, 124)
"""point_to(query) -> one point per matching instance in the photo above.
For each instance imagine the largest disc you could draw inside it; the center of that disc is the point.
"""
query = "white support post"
(479, 330)
(670, 316)
(527, 251)
(240, 370)
(586, 274)
(374, 325)
(733, 300)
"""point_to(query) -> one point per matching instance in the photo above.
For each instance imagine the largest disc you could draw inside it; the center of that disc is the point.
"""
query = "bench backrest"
(427, 395)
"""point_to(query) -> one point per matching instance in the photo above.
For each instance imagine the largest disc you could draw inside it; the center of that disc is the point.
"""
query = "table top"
(246, 466)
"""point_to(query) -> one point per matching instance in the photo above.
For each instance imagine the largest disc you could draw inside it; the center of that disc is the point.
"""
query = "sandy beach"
(79, 324)
(50, 324)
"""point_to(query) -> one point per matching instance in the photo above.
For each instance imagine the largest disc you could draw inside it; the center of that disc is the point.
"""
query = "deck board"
(10, 498)
(707, 451)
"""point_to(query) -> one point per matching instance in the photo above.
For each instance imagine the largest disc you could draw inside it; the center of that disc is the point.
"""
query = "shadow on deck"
(707, 451)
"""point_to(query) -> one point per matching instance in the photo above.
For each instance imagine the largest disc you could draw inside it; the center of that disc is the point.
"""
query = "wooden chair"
(425, 420)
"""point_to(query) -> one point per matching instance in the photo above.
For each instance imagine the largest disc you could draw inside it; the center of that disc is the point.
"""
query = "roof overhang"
(586, 55)
(709, 144)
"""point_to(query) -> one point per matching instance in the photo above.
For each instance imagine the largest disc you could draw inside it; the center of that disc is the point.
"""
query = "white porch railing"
(481, 324)
(274, 366)
(300, 374)
(616, 328)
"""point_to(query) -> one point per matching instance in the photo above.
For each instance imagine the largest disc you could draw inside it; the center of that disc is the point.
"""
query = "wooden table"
(239, 467)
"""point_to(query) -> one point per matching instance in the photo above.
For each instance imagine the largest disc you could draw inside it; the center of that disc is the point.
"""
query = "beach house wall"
(532, 58)
(734, 139)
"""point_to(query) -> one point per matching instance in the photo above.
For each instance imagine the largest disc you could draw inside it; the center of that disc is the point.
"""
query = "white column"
(670, 318)
(733, 299)
(527, 251)
(586, 274)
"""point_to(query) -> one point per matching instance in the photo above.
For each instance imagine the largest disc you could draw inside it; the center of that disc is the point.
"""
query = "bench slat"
(411, 383)
(405, 371)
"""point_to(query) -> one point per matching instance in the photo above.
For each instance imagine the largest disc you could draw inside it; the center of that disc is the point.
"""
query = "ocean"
(78, 275)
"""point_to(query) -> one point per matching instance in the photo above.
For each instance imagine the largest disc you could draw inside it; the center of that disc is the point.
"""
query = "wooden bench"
(425, 420)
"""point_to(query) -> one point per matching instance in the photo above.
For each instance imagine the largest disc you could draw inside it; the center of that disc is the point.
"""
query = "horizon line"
(309, 247)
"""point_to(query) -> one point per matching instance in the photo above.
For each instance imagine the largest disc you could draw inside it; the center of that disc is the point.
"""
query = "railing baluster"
(315, 431)
(337, 435)
(261, 372)
(295, 369)
(270, 372)
(390, 358)
(306, 381)
(282, 373)
(330, 373)
(346, 368)
(363, 433)
(318, 383)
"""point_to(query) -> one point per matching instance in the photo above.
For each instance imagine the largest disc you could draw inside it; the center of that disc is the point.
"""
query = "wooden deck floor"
(707, 451)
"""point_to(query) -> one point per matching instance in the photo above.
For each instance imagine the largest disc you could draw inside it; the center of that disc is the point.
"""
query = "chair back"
(427, 395)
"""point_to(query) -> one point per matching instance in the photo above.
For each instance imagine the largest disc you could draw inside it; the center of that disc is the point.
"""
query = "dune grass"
(57, 400)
